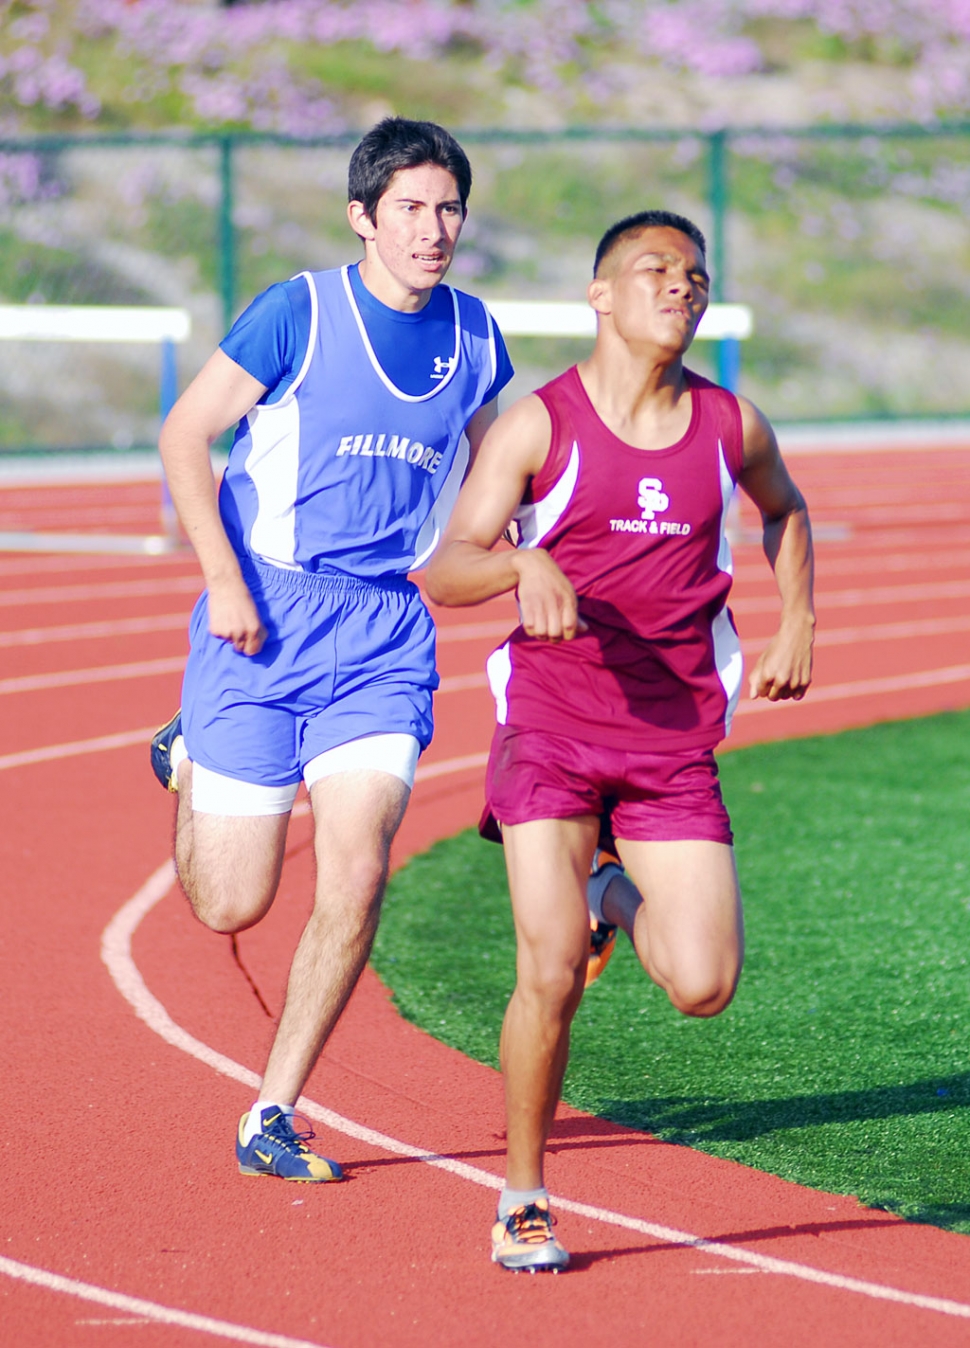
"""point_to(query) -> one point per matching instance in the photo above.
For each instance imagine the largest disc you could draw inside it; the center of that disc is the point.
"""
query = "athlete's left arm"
(477, 427)
(785, 667)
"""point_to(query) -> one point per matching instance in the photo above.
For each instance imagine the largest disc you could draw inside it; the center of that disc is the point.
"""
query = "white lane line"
(454, 683)
(119, 627)
(926, 627)
(29, 540)
(474, 631)
(833, 693)
(116, 953)
(146, 1310)
(77, 747)
(883, 564)
(171, 664)
(68, 678)
(460, 683)
(445, 766)
(166, 622)
(893, 683)
(121, 589)
(860, 598)
(37, 565)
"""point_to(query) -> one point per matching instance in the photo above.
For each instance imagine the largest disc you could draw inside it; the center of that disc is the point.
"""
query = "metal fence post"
(227, 237)
(728, 348)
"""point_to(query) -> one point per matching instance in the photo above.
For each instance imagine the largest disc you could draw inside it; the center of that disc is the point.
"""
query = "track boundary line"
(152, 1310)
(890, 683)
(70, 678)
(74, 748)
(117, 956)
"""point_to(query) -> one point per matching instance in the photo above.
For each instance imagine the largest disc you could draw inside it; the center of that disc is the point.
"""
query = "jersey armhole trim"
(311, 341)
(492, 353)
(539, 484)
(736, 437)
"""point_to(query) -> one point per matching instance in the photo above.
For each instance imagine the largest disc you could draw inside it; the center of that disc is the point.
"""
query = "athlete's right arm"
(217, 398)
(465, 570)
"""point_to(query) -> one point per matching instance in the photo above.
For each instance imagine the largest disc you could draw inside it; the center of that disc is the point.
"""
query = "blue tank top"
(345, 470)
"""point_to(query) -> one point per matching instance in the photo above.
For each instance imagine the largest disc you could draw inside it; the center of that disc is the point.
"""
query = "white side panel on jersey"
(273, 464)
(536, 520)
(434, 525)
(498, 667)
(727, 647)
(728, 662)
(273, 461)
(725, 562)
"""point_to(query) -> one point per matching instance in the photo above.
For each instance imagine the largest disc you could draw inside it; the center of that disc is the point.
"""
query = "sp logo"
(651, 497)
(442, 366)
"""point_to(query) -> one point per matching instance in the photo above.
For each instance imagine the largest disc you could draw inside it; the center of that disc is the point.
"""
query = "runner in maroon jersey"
(626, 668)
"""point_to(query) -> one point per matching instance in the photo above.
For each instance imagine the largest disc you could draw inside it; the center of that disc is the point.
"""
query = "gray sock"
(597, 885)
(518, 1198)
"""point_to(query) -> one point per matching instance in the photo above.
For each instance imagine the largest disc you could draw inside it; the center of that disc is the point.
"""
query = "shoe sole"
(535, 1261)
(290, 1179)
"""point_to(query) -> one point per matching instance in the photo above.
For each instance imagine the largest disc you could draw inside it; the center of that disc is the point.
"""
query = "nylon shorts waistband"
(326, 581)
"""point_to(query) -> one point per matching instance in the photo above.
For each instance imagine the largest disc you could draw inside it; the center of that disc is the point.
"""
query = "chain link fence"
(851, 244)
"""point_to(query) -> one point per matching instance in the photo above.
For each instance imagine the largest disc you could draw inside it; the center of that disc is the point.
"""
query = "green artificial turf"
(844, 1061)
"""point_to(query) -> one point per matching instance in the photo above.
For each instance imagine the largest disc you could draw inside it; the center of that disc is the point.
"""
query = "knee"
(555, 986)
(703, 993)
(349, 892)
(225, 914)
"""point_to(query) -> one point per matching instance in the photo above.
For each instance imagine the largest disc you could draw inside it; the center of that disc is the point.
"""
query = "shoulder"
(758, 435)
(528, 415)
(522, 434)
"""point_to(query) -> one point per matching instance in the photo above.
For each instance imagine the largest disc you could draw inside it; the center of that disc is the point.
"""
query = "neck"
(642, 396)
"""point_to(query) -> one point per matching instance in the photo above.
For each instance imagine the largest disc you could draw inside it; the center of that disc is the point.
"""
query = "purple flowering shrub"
(235, 66)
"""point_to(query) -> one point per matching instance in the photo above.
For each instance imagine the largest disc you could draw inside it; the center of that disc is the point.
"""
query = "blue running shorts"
(343, 658)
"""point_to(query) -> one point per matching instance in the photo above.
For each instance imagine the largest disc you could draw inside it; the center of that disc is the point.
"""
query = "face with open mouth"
(410, 244)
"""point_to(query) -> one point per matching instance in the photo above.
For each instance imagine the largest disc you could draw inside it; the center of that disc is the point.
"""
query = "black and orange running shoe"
(524, 1239)
(602, 936)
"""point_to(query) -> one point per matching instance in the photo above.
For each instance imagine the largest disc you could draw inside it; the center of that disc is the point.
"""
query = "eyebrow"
(420, 201)
(672, 257)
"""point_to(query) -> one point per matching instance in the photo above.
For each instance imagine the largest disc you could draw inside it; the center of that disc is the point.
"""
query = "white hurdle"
(726, 324)
(550, 318)
(102, 323)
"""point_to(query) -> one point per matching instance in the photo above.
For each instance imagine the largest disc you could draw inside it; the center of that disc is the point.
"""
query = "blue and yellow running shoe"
(162, 752)
(278, 1150)
(524, 1239)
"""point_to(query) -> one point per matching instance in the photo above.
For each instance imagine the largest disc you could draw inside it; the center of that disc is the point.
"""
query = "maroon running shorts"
(649, 797)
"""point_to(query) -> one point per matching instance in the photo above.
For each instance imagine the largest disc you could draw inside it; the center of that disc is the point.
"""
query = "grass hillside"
(853, 251)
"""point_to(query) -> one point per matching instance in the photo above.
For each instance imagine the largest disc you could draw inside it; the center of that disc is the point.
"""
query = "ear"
(599, 292)
(360, 221)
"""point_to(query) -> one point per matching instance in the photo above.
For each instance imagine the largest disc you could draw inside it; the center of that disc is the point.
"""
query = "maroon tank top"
(641, 536)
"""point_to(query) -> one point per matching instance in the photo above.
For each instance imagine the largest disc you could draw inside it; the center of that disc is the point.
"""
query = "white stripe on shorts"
(396, 754)
(212, 793)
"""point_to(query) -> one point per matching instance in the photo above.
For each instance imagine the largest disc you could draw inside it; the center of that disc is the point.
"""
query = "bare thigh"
(548, 864)
(689, 931)
(229, 865)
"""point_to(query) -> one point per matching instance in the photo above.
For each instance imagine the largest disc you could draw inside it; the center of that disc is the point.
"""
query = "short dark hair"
(399, 143)
(636, 224)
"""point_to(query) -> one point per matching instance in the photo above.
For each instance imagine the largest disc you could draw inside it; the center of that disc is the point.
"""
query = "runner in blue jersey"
(360, 395)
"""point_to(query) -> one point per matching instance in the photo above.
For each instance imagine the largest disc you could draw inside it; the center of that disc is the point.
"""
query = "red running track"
(123, 1219)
